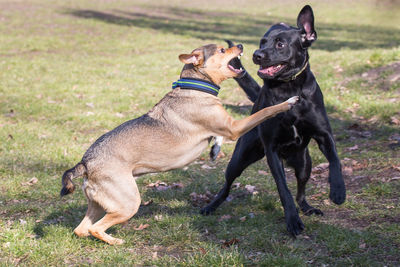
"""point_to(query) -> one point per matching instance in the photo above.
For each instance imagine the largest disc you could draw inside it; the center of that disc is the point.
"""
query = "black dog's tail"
(68, 186)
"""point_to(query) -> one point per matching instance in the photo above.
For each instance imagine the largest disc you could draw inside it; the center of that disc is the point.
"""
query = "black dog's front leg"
(248, 84)
(293, 222)
(337, 187)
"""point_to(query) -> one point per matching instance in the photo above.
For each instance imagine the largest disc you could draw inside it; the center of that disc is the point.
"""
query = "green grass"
(72, 70)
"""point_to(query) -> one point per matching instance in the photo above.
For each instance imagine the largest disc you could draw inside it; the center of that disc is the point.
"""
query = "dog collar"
(297, 74)
(197, 84)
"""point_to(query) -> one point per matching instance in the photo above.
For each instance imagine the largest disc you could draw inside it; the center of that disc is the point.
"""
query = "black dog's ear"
(305, 21)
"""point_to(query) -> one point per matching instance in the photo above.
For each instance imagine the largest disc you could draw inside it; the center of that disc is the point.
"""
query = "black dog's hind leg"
(294, 224)
(337, 187)
(301, 162)
(247, 151)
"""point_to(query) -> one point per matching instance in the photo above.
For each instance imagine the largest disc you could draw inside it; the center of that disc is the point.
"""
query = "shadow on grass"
(240, 27)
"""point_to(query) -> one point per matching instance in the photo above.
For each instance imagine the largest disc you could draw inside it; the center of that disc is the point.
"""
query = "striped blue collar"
(197, 84)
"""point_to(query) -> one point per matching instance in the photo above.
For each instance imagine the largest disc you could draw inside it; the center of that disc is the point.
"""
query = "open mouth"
(234, 64)
(272, 70)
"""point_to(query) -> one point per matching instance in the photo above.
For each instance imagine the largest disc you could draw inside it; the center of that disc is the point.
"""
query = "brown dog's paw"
(293, 101)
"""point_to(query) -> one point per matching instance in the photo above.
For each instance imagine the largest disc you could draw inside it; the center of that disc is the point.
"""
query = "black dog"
(284, 68)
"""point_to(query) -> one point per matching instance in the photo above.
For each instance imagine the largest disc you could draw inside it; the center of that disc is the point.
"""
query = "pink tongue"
(270, 70)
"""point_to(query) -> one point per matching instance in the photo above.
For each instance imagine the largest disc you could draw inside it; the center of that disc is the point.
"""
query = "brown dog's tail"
(68, 186)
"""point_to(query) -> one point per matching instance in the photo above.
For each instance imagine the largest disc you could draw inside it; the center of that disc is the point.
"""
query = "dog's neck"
(190, 71)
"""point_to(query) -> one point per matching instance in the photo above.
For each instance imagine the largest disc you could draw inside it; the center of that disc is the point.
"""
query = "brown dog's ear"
(195, 58)
(305, 22)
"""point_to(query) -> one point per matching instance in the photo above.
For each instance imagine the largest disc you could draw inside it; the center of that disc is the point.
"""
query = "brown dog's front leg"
(240, 127)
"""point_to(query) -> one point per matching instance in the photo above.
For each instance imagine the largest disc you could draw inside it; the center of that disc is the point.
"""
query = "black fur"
(286, 136)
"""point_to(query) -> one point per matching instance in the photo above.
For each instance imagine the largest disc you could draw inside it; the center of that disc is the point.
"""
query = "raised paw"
(294, 225)
(292, 101)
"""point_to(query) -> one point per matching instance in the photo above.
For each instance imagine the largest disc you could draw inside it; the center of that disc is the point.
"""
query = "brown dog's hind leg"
(120, 198)
(110, 219)
(93, 213)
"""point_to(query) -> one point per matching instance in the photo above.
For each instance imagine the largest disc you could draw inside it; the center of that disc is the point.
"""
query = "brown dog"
(171, 135)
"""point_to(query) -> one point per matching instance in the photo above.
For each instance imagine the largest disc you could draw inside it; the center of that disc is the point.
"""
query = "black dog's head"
(283, 49)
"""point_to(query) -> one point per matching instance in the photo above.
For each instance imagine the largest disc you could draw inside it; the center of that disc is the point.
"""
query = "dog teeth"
(238, 57)
(241, 69)
(241, 54)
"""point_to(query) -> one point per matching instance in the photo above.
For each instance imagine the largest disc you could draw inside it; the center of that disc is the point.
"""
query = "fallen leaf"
(235, 185)
(347, 171)
(242, 219)
(141, 227)
(177, 185)
(250, 188)
(32, 181)
(90, 105)
(327, 202)
(198, 200)
(158, 217)
(202, 251)
(146, 203)
(262, 172)
(394, 120)
(231, 242)
(206, 167)
(397, 168)
(162, 188)
(224, 218)
(362, 245)
(321, 167)
(353, 148)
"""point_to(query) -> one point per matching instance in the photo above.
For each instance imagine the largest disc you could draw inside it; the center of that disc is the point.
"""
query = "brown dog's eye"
(222, 50)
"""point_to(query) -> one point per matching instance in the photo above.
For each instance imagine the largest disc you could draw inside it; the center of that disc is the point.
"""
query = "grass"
(72, 70)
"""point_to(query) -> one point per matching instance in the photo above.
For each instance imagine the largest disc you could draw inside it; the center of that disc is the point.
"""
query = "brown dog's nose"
(240, 46)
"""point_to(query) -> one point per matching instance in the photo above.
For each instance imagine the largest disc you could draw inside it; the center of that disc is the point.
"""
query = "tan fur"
(171, 135)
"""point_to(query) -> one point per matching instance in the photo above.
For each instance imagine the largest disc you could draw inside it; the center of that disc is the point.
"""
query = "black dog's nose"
(258, 56)
(240, 46)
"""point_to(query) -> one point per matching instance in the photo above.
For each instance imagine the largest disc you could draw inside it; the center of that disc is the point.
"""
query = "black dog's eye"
(279, 44)
(222, 50)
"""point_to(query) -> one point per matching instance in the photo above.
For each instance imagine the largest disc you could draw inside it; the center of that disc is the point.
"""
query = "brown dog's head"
(211, 62)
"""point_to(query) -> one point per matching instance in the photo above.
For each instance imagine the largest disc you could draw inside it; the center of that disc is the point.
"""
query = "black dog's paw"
(309, 210)
(230, 43)
(207, 210)
(338, 193)
(215, 149)
(294, 225)
(312, 211)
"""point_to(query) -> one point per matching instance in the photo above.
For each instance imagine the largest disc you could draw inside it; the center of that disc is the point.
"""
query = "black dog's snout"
(258, 56)
(240, 46)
